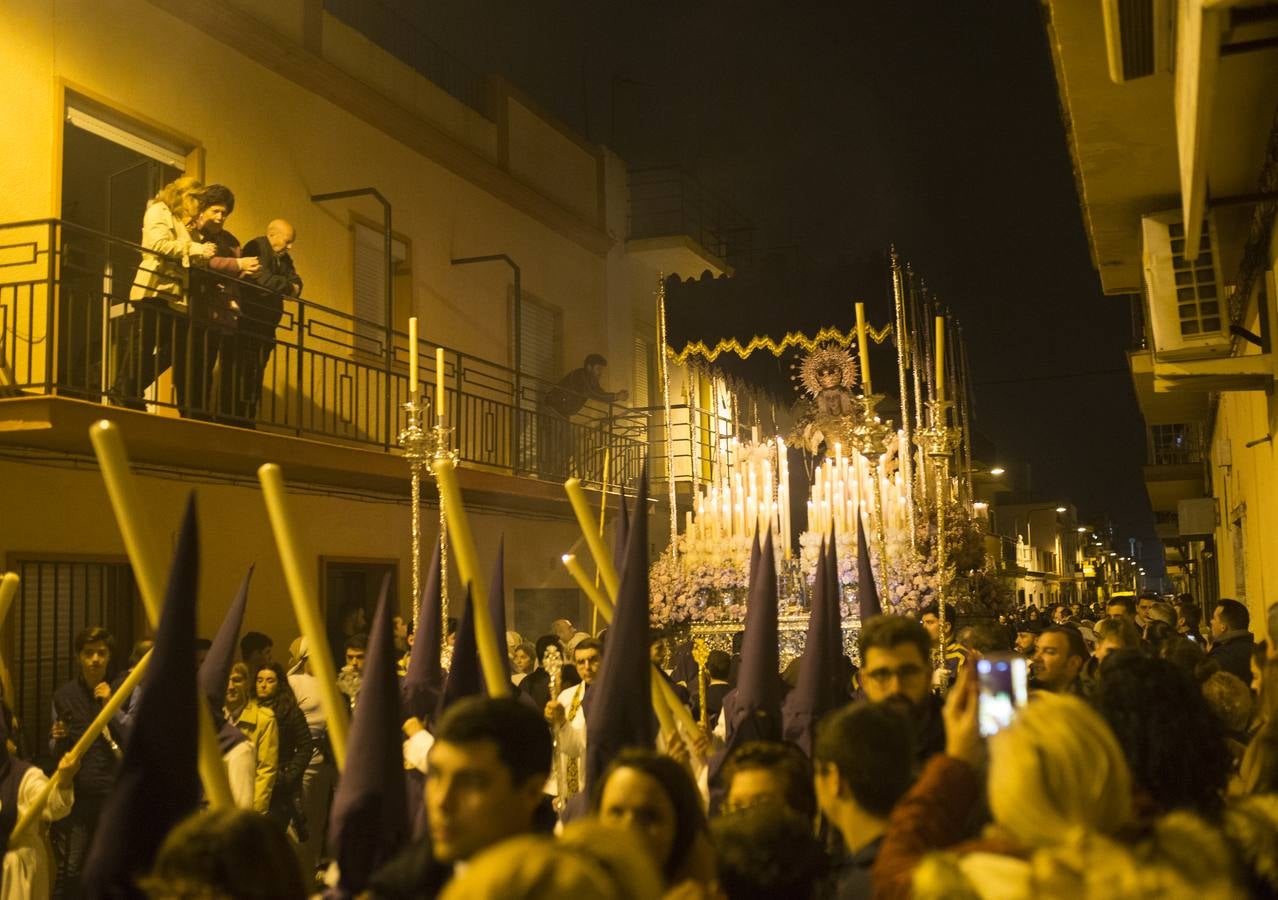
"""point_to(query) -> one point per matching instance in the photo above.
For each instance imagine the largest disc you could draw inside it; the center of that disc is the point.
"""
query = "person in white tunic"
(568, 719)
(28, 862)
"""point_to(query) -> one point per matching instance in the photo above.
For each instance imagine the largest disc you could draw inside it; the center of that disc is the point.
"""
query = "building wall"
(276, 143)
(64, 510)
(1247, 488)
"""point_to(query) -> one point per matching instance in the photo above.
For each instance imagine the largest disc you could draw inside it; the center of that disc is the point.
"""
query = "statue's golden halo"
(825, 359)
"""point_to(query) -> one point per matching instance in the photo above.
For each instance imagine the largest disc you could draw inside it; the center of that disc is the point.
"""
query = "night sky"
(840, 129)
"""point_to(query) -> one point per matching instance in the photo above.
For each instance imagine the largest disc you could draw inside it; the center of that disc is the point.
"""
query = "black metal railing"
(74, 323)
(665, 200)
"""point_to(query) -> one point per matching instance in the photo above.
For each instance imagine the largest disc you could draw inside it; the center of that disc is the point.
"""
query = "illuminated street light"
(979, 505)
(997, 470)
(1060, 509)
(1082, 529)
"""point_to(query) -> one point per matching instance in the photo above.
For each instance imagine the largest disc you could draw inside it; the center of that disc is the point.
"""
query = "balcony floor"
(61, 425)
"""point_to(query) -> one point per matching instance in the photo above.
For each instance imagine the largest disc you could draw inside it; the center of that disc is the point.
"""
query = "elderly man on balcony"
(244, 356)
(564, 401)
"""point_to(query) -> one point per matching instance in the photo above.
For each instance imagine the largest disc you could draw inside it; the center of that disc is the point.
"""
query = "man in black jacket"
(1231, 642)
(560, 404)
(245, 355)
(75, 705)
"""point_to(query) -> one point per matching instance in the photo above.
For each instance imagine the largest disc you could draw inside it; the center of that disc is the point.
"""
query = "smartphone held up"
(1003, 679)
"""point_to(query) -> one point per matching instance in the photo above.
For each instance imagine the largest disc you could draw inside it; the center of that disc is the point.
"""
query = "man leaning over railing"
(245, 355)
(561, 403)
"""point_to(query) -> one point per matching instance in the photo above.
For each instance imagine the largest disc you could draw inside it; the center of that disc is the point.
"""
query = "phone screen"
(1003, 690)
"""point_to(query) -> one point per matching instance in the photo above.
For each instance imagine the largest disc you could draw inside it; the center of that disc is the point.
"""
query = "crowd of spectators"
(1142, 765)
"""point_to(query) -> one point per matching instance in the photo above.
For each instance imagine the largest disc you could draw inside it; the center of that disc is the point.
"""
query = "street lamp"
(997, 470)
(1060, 509)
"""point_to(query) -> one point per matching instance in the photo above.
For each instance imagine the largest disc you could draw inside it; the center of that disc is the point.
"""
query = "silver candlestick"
(421, 447)
(939, 440)
(871, 437)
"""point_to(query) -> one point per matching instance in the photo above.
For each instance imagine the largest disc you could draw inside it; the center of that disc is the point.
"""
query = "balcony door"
(110, 168)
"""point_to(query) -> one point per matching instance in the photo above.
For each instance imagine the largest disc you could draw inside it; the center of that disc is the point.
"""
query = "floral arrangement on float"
(710, 588)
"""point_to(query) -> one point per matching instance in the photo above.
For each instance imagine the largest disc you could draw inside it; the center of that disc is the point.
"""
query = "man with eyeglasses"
(896, 669)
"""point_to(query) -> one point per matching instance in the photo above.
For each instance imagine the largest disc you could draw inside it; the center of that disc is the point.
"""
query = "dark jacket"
(537, 685)
(1232, 652)
(262, 309)
(410, 874)
(849, 877)
(574, 389)
(215, 293)
(75, 705)
(935, 814)
(295, 746)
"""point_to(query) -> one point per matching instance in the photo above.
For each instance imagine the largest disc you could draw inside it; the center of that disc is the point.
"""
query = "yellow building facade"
(282, 103)
(1171, 122)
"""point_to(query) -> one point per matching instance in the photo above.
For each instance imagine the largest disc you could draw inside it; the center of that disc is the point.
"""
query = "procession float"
(899, 466)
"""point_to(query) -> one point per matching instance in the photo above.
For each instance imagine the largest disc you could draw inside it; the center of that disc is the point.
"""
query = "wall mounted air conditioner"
(1196, 518)
(1140, 37)
(1184, 301)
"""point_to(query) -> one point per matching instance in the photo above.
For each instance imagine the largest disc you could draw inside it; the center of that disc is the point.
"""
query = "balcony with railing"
(681, 226)
(69, 330)
(322, 375)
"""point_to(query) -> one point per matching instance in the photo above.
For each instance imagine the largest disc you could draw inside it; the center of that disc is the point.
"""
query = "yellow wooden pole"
(148, 568)
(590, 530)
(490, 657)
(306, 609)
(603, 515)
(8, 590)
(99, 724)
(9, 583)
(588, 587)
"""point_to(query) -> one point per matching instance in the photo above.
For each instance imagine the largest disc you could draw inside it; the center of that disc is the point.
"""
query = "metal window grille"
(1197, 300)
(56, 600)
(1175, 444)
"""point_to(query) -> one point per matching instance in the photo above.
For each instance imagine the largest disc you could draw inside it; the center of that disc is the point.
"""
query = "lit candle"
(863, 349)
(412, 358)
(439, 383)
(940, 357)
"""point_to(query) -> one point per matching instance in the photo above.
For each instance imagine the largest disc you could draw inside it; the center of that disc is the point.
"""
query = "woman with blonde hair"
(153, 331)
(258, 724)
(1058, 781)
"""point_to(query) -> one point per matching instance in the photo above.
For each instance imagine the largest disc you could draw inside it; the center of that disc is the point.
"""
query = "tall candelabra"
(421, 447)
(940, 440)
(871, 437)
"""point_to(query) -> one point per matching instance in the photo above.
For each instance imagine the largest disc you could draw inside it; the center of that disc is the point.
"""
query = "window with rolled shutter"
(539, 342)
(641, 372)
(370, 286)
(540, 364)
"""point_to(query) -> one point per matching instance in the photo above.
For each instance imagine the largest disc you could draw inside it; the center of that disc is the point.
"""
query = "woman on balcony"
(156, 322)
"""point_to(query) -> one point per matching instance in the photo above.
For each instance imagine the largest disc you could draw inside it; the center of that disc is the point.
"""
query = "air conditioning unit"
(1184, 301)
(1140, 37)
(1196, 519)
